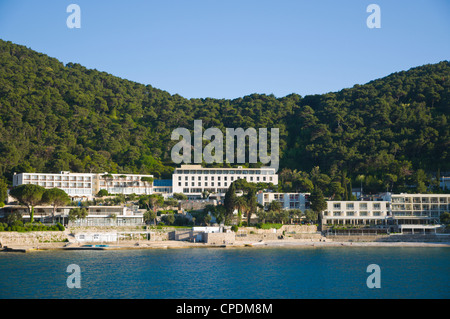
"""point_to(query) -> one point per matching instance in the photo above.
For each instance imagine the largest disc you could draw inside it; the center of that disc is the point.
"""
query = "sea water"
(222, 273)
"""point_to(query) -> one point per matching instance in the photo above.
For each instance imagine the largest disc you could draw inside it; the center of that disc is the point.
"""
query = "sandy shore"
(250, 245)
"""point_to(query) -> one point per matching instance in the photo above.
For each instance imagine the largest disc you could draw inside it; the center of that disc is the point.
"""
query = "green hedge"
(20, 227)
(269, 226)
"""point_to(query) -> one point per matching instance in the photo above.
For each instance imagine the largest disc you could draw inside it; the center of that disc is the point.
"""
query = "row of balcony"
(421, 200)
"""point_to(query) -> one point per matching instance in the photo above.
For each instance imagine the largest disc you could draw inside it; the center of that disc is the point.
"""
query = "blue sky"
(229, 49)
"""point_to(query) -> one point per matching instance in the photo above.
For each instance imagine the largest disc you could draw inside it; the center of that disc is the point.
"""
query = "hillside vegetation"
(390, 133)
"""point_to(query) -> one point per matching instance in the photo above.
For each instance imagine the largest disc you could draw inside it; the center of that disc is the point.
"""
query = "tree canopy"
(56, 117)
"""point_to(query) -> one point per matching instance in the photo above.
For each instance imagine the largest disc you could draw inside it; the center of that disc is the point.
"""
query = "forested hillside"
(392, 132)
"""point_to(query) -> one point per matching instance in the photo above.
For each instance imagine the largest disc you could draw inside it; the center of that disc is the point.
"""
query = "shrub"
(269, 226)
(102, 193)
(17, 223)
(234, 228)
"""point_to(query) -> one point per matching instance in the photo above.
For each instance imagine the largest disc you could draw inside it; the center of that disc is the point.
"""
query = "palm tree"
(241, 204)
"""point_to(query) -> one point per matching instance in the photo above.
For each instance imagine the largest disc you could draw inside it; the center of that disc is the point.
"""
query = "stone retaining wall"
(298, 228)
(219, 238)
(32, 238)
(304, 229)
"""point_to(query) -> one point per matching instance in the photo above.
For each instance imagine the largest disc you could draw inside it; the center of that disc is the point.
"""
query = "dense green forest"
(389, 134)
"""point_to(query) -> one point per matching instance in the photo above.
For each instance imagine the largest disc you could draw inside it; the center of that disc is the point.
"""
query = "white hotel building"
(417, 209)
(87, 185)
(356, 213)
(193, 180)
(287, 200)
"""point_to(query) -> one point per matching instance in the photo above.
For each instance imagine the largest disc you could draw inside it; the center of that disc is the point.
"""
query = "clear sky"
(232, 48)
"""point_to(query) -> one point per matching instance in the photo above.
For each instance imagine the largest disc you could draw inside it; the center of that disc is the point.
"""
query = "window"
(337, 206)
(350, 206)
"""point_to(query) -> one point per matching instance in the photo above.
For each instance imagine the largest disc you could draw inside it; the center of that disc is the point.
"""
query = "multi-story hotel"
(193, 180)
(97, 215)
(87, 185)
(418, 208)
(356, 213)
(287, 200)
(409, 213)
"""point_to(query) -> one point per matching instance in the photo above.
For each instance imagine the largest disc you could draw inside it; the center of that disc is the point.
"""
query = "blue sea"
(247, 273)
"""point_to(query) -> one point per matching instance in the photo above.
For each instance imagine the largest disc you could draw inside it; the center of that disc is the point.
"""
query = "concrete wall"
(392, 238)
(257, 237)
(182, 235)
(219, 238)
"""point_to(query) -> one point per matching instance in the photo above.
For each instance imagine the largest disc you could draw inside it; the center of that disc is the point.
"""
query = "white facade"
(208, 229)
(193, 180)
(418, 206)
(356, 212)
(287, 200)
(122, 184)
(97, 215)
(87, 185)
(89, 237)
(74, 184)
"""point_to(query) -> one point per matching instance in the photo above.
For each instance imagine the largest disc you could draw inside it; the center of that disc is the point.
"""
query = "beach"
(172, 244)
